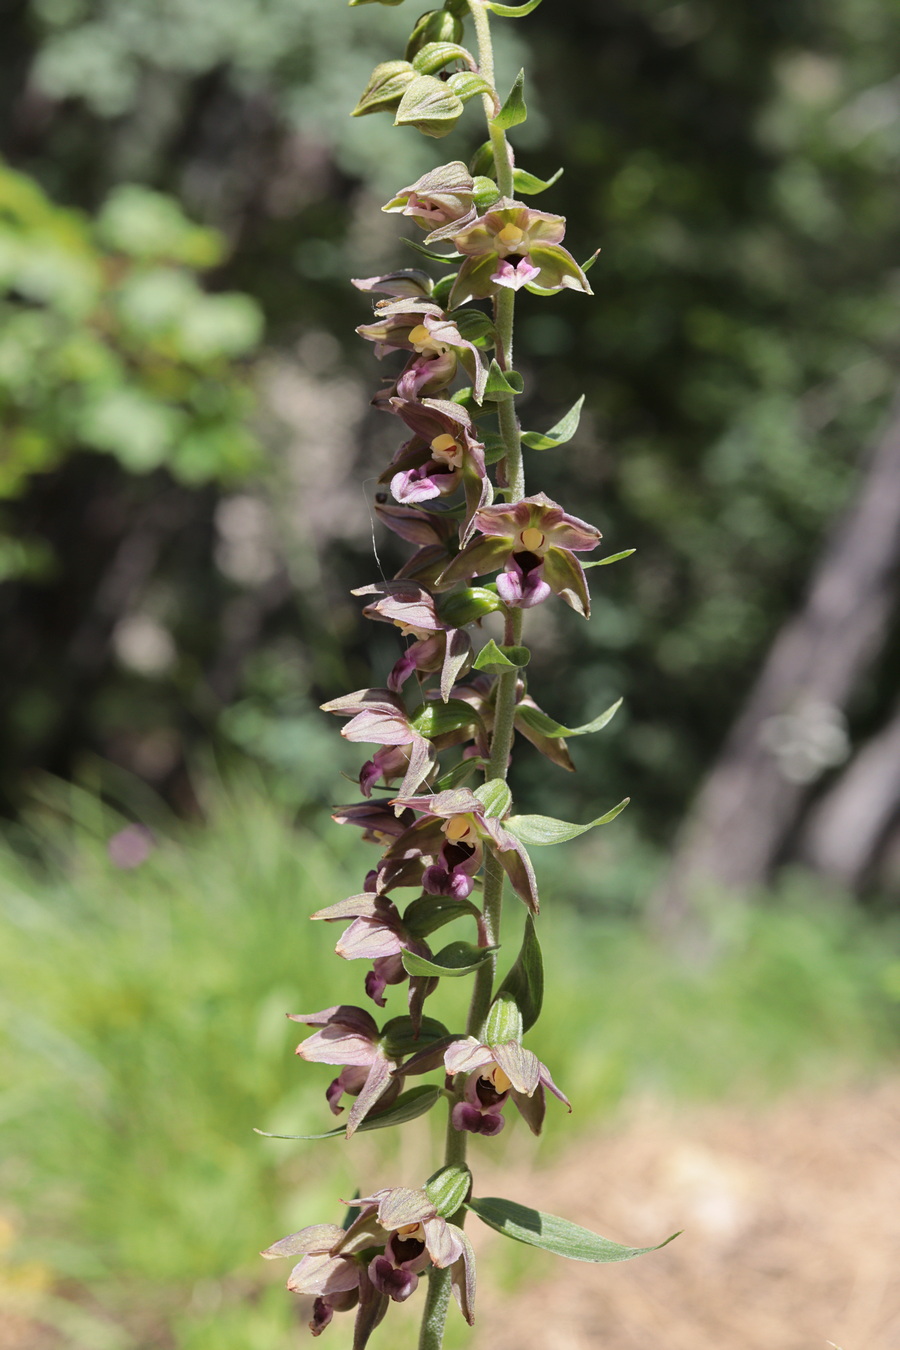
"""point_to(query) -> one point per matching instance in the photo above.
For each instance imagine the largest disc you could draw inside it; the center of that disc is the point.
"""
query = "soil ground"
(791, 1219)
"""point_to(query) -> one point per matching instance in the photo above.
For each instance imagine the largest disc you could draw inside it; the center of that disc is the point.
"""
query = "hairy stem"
(431, 1336)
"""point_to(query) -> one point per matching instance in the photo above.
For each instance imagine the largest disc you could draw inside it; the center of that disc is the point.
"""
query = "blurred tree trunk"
(845, 832)
(748, 806)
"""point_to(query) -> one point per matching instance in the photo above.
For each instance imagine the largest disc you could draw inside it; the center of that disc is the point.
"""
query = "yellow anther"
(444, 442)
(447, 449)
(532, 539)
(409, 630)
(511, 235)
(418, 334)
(408, 1230)
(457, 828)
(502, 1082)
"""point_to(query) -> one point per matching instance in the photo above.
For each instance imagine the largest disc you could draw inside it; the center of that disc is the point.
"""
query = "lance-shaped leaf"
(429, 105)
(529, 185)
(551, 1233)
(547, 726)
(400, 1037)
(563, 431)
(502, 383)
(437, 719)
(460, 773)
(431, 912)
(466, 84)
(435, 55)
(613, 557)
(505, 11)
(537, 830)
(387, 85)
(431, 253)
(454, 960)
(408, 1106)
(494, 660)
(524, 983)
(495, 797)
(513, 111)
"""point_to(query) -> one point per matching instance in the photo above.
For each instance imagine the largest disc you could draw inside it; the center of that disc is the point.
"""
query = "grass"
(143, 1040)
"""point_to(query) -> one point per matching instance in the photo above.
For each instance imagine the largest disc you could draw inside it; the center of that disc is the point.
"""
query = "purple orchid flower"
(332, 1281)
(496, 1073)
(437, 645)
(378, 934)
(407, 283)
(436, 347)
(534, 540)
(513, 245)
(436, 535)
(440, 201)
(414, 1236)
(442, 455)
(349, 1036)
(467, 830)
(378, 716)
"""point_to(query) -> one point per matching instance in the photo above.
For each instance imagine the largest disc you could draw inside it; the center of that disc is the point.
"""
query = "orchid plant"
(434, 793)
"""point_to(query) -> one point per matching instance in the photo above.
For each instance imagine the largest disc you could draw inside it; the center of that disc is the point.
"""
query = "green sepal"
(504, 11)
(437, 25)
(431, 253)
(430, 106)
(466, 84)
(482, 162)
(387, 85)
(529, 185)
(496, 659)
(524, 983)
(513, 112)
(540, 722)
(486, 192)
(467, 605)
(613, 557)
(563, 431)
(454, 960)
(436, 719)
(398, 1036)
(551, 1233)
(460, 773)
(504, 1023)
(495, 797)
(537, 830)
(448, 1188)
(502, 383)
(435, 55)
(431, 912)
(408, 1106)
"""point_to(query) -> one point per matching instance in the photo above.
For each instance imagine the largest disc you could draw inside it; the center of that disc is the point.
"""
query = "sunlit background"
(187, 470)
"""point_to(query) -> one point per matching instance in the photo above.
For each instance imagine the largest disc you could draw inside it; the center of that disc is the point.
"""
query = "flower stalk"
(444, 718)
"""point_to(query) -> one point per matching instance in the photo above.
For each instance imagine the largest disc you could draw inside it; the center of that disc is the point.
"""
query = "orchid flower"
(349, 1036)
(441, 201)
(379, 717)
(437, 645)
(496, 1073)
(336, 1282)
(442, 455)
(513, 245)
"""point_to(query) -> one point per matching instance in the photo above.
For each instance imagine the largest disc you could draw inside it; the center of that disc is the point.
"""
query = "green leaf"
(400, 1037)
(482, 163)
(429, 105)
(496, 659)
(431, 253)
(454, 960)
(513, 111)
(436, 719)
(458, 774)
(435, 55)
(563, 431)
(539, 721)
(524, 983)
(529, 185)
(495, 797)
(551, 1233)
(537, 830)
(448, 1188)
(505, 1022)
(512, 11)
(408, 1106)
(502, 383)
(613, 557)
(431, 912)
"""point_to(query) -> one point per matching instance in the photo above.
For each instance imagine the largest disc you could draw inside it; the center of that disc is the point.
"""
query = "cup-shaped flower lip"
(535, 524)
(510, 228)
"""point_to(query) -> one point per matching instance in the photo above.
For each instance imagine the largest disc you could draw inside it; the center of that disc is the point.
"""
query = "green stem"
(437, 1302)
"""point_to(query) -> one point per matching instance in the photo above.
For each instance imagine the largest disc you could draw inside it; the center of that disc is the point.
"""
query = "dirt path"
(791, 1241)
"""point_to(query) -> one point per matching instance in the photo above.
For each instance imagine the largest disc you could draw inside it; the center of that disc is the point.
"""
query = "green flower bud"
(438, 25)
